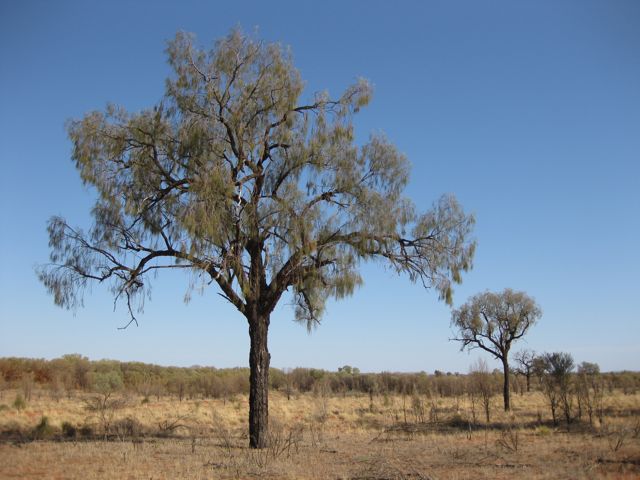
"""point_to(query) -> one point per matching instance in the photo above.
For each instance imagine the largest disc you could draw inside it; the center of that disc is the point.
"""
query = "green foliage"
(236, 177)
(558, 365)
(43, 429)
(107, 382)
(492, 321)
(543, 431)
(208, 382)
(19, 403)
(349, 370)
(555, 370)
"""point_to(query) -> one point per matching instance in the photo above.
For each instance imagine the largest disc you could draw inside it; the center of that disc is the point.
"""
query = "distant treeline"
(70, 373)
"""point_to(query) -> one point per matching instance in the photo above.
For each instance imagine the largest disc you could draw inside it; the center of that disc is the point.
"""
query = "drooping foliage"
(235, 178)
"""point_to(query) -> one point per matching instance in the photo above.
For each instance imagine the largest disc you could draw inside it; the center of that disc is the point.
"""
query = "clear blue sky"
(528, 111)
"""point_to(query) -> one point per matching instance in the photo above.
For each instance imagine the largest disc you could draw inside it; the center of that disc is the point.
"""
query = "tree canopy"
(232, 176)
(493, 321)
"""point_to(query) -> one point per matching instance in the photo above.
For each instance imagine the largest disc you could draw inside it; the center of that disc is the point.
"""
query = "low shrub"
(86, 431)
(19, 403)
(127, 428)
(458, 421)
(43, 429)
(69, 430)
(543, 431)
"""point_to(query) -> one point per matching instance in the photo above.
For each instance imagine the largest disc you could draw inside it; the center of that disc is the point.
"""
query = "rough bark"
(259, 359)
(505, 390)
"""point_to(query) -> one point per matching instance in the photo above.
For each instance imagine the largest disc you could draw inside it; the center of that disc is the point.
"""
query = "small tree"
(492, 322)
(556, 380)
(525, 361)
(105, 384)
(482, 387)
(27, 383)
(233, 178)
(590, 390)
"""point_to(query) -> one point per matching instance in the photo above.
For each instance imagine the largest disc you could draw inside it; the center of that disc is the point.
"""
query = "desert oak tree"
(232, 177)
(492, 322)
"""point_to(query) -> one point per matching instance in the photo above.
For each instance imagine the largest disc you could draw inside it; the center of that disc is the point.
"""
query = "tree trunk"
(505, 390)
(259, 359)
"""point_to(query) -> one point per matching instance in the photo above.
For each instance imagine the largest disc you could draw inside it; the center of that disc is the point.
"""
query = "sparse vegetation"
(316, 436)
(324, 424)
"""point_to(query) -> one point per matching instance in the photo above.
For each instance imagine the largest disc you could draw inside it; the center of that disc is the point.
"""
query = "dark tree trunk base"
(259, 359)
(506, 391)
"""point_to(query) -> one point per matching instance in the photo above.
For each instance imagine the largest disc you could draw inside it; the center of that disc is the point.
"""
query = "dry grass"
(322, 437)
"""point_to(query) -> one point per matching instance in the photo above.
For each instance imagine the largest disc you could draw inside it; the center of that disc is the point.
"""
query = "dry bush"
(509, 439)
(127, 428)
(284, 440)
(617, 436)
(170, 425)
(222, 433)
(103, 408)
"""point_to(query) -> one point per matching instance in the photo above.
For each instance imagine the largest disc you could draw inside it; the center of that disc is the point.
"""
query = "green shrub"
(43, 429)
(4, 407)
(68, 430)
(19, 403)
(543, 431)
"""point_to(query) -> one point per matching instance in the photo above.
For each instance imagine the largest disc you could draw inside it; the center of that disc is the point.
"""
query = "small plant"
(458, 421)
(86, 431)
(282, 441)
(68, 430)
(617, 437)
(43, 429)
(144, 401)
(4, 407)
(418, 407)
(543, 431)
(222, 433)
(104, 407)
(127, 428)
(316, 431)
(19, 403)
(168, 426)
(509, 439)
